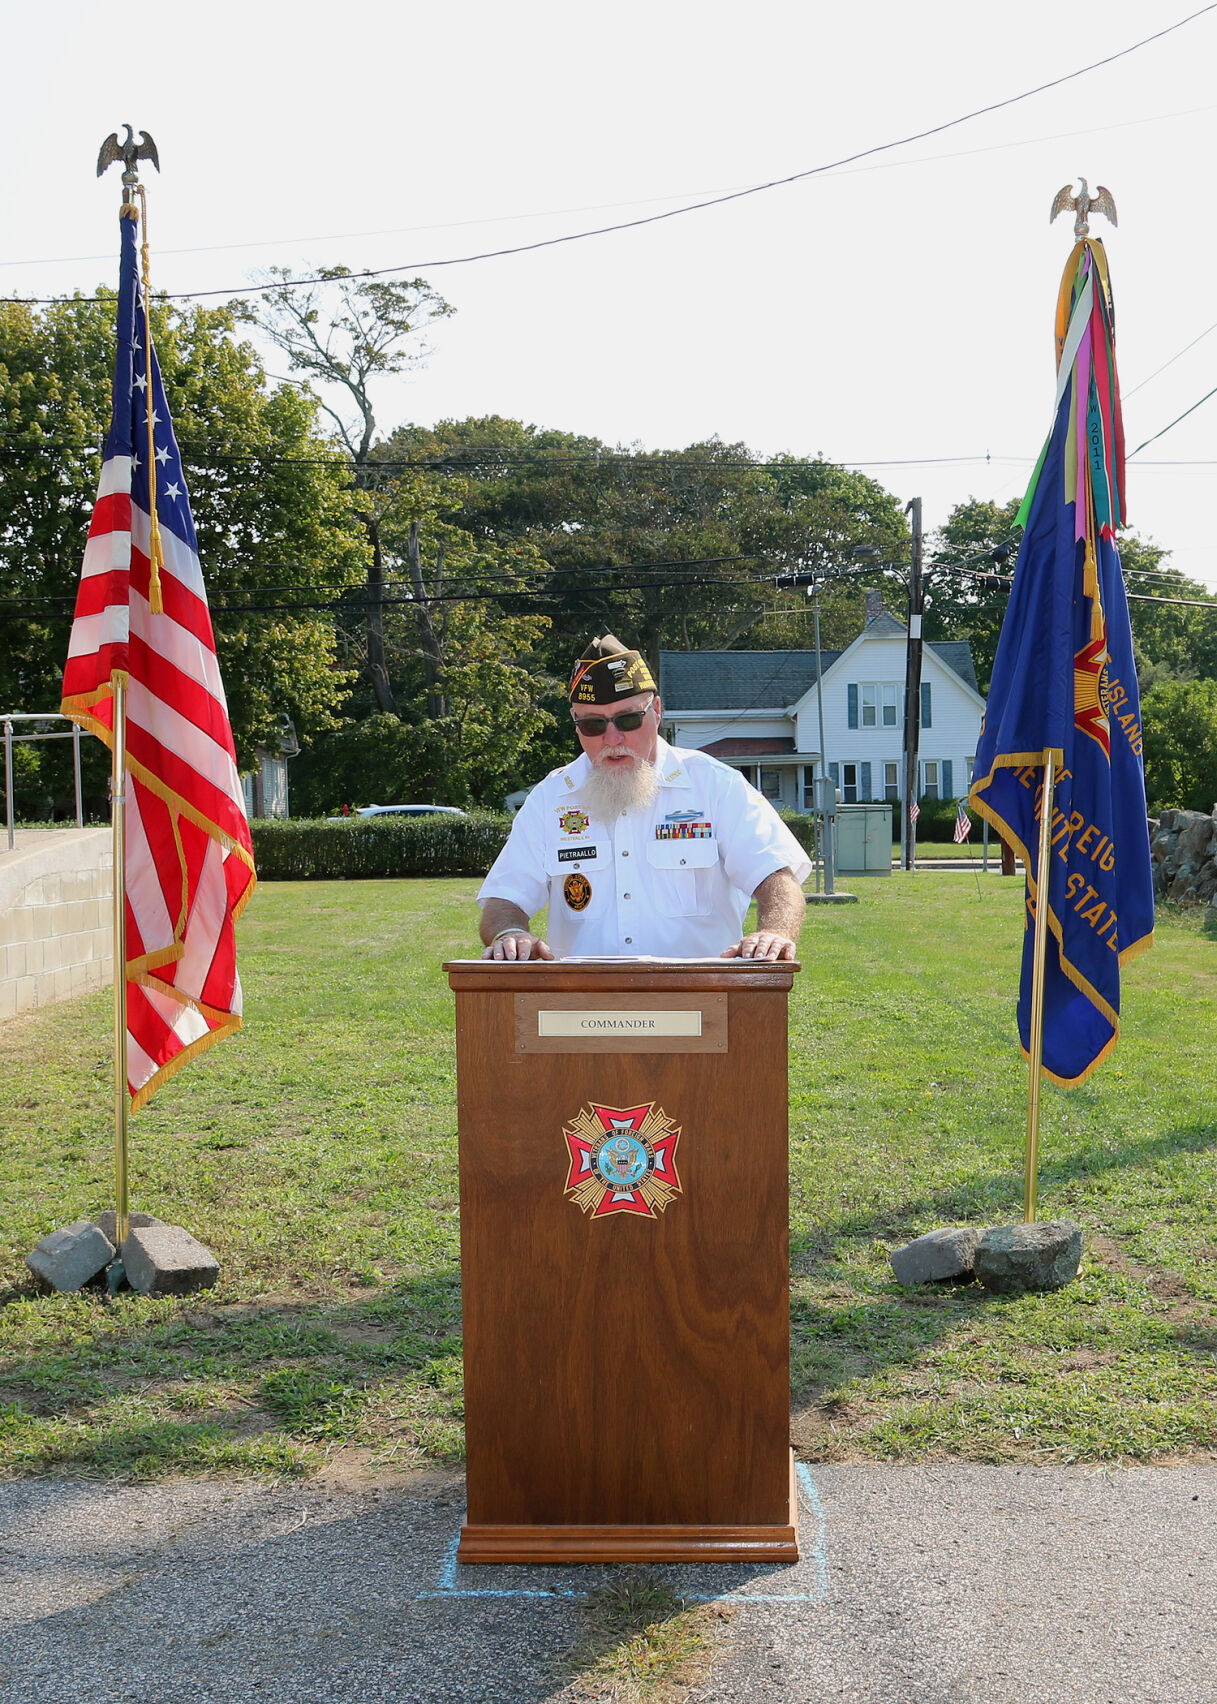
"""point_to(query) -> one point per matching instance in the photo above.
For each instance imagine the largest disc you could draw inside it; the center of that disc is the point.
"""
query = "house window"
(929, 788)
(771, 783)
(878, 704)
(891, 780)
(849, 783)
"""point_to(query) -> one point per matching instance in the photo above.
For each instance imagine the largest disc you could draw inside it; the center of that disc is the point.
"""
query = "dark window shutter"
(853, 704)
(948, 790)
(864, 792)
(834, 774)
(925, 704)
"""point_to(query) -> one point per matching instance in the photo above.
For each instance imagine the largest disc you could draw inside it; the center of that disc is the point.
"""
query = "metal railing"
(10, 739)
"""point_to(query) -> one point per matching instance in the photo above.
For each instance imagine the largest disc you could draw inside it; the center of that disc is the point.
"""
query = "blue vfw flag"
(1064, 683)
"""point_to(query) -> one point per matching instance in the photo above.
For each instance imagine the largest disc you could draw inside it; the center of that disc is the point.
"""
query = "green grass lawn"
(316, 1154)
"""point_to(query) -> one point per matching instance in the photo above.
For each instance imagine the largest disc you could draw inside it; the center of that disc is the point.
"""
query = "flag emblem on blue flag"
(1064, 685)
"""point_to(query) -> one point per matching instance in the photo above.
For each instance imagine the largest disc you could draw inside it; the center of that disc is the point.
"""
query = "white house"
(758, 711)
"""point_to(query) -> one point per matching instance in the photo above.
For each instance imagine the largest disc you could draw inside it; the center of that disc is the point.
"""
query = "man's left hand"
(764, 944)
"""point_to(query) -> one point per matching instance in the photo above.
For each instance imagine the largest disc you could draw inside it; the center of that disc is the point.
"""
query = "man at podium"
(639, 848)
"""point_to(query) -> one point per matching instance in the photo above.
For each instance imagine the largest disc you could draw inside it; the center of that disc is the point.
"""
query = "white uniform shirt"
(672, 879)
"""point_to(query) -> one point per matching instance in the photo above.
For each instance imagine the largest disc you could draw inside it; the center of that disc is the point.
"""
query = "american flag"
(914, 811)
(963, 825)
(189, 859)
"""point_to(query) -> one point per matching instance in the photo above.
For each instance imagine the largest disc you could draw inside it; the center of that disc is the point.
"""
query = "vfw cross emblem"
(622, 1160)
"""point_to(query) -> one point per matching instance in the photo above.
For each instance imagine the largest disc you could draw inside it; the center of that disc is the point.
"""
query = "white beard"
(614, 788)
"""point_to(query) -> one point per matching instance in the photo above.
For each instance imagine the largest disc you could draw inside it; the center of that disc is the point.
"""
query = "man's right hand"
(517, 946)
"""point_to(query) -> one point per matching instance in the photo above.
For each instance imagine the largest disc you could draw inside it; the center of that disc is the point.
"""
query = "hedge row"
(358, 847)
(309, 850)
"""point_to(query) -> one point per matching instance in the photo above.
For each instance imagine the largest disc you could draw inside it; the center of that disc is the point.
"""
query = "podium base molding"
(544, 1544)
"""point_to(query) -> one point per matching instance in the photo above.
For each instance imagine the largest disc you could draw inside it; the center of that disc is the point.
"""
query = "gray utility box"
(864, 840)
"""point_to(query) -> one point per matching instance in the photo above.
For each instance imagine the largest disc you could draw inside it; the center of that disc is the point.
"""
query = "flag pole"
(118, 813)
(1039, 957)
(128, 153)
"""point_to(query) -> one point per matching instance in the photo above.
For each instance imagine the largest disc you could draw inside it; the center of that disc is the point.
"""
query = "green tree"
(1173, 638)
(344, 334)
(272, 506)
(1179, 723)
(965, 591)
(678, 548)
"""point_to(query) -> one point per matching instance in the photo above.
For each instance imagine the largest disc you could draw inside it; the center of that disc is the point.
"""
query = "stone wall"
(1184, 849)
(56, 934)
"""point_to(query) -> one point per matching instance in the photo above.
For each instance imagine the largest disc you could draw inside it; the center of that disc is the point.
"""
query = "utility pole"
(821, 784)
(912, 695)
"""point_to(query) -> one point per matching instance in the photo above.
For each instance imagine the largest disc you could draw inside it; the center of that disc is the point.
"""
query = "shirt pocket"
(579, 879)
(680, 874)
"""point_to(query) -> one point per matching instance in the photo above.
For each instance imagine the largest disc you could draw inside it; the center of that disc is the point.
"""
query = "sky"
(894, 314)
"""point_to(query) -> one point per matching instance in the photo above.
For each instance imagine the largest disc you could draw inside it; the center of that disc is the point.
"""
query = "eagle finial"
(1083, 205)
(128, 152)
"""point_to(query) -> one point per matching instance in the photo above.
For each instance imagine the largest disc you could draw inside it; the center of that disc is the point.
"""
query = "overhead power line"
(693, 206)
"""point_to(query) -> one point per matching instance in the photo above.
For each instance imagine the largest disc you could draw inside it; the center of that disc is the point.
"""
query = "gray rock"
(165, 1260)
(1195, 840)
(1029, 1257)
(66, 1259)
(105, 1222)
(945, 1253)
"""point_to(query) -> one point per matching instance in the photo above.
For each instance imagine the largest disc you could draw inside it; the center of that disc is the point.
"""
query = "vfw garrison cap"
(608, 670)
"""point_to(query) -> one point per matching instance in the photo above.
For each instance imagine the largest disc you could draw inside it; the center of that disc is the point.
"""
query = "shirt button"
(629, 940)
(682, 860)
(625, 854)
(625, 896)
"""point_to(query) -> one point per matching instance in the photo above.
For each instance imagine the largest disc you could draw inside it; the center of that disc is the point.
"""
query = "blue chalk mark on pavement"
(813, 1535)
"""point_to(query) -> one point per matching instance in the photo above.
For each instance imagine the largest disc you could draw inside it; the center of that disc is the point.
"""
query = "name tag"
(575, 854)
(594, 1023)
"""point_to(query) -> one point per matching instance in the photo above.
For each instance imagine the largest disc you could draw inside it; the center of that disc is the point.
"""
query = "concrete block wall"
(56, 933)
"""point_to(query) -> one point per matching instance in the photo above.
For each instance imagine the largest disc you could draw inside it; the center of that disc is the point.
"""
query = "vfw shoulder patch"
(573, 821)
(622, 1160)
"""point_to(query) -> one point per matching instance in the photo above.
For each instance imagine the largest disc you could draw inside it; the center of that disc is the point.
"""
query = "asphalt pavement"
(917, 1585)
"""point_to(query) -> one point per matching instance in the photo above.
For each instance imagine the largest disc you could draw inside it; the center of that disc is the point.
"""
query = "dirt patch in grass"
(1163, 1286)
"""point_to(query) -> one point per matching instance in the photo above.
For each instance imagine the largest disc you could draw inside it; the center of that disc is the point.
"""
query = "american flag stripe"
(189, 861)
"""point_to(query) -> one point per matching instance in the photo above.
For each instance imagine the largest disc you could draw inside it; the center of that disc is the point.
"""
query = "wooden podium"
(624, 1250)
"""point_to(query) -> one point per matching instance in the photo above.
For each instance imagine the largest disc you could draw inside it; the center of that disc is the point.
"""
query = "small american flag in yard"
(914, 811)
(963, 825)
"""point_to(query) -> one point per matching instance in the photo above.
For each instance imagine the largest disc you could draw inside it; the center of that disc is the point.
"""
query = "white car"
(400, 810)
(410, 810)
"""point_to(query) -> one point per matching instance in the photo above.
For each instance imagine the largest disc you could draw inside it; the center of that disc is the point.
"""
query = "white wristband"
(514, 930)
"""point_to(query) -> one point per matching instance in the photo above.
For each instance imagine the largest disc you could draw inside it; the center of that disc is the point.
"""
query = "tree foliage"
(967, 589)
(1179, 723)
(344, 334)
(272, 505)
(674, 549)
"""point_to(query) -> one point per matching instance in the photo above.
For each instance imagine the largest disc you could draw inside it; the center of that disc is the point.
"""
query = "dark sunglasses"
(594, 726)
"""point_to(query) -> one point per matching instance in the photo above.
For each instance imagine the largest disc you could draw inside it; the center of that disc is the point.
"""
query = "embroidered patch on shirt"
(573, 821)
(573, 854)
(577, 891)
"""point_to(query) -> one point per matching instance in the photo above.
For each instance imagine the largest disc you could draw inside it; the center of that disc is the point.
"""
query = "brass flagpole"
(128, 152)
(118, 814)
(1039, 958)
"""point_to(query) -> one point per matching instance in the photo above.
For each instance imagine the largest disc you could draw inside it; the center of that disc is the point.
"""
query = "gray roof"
(736, 680)
(957, 655)
(765, 680)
